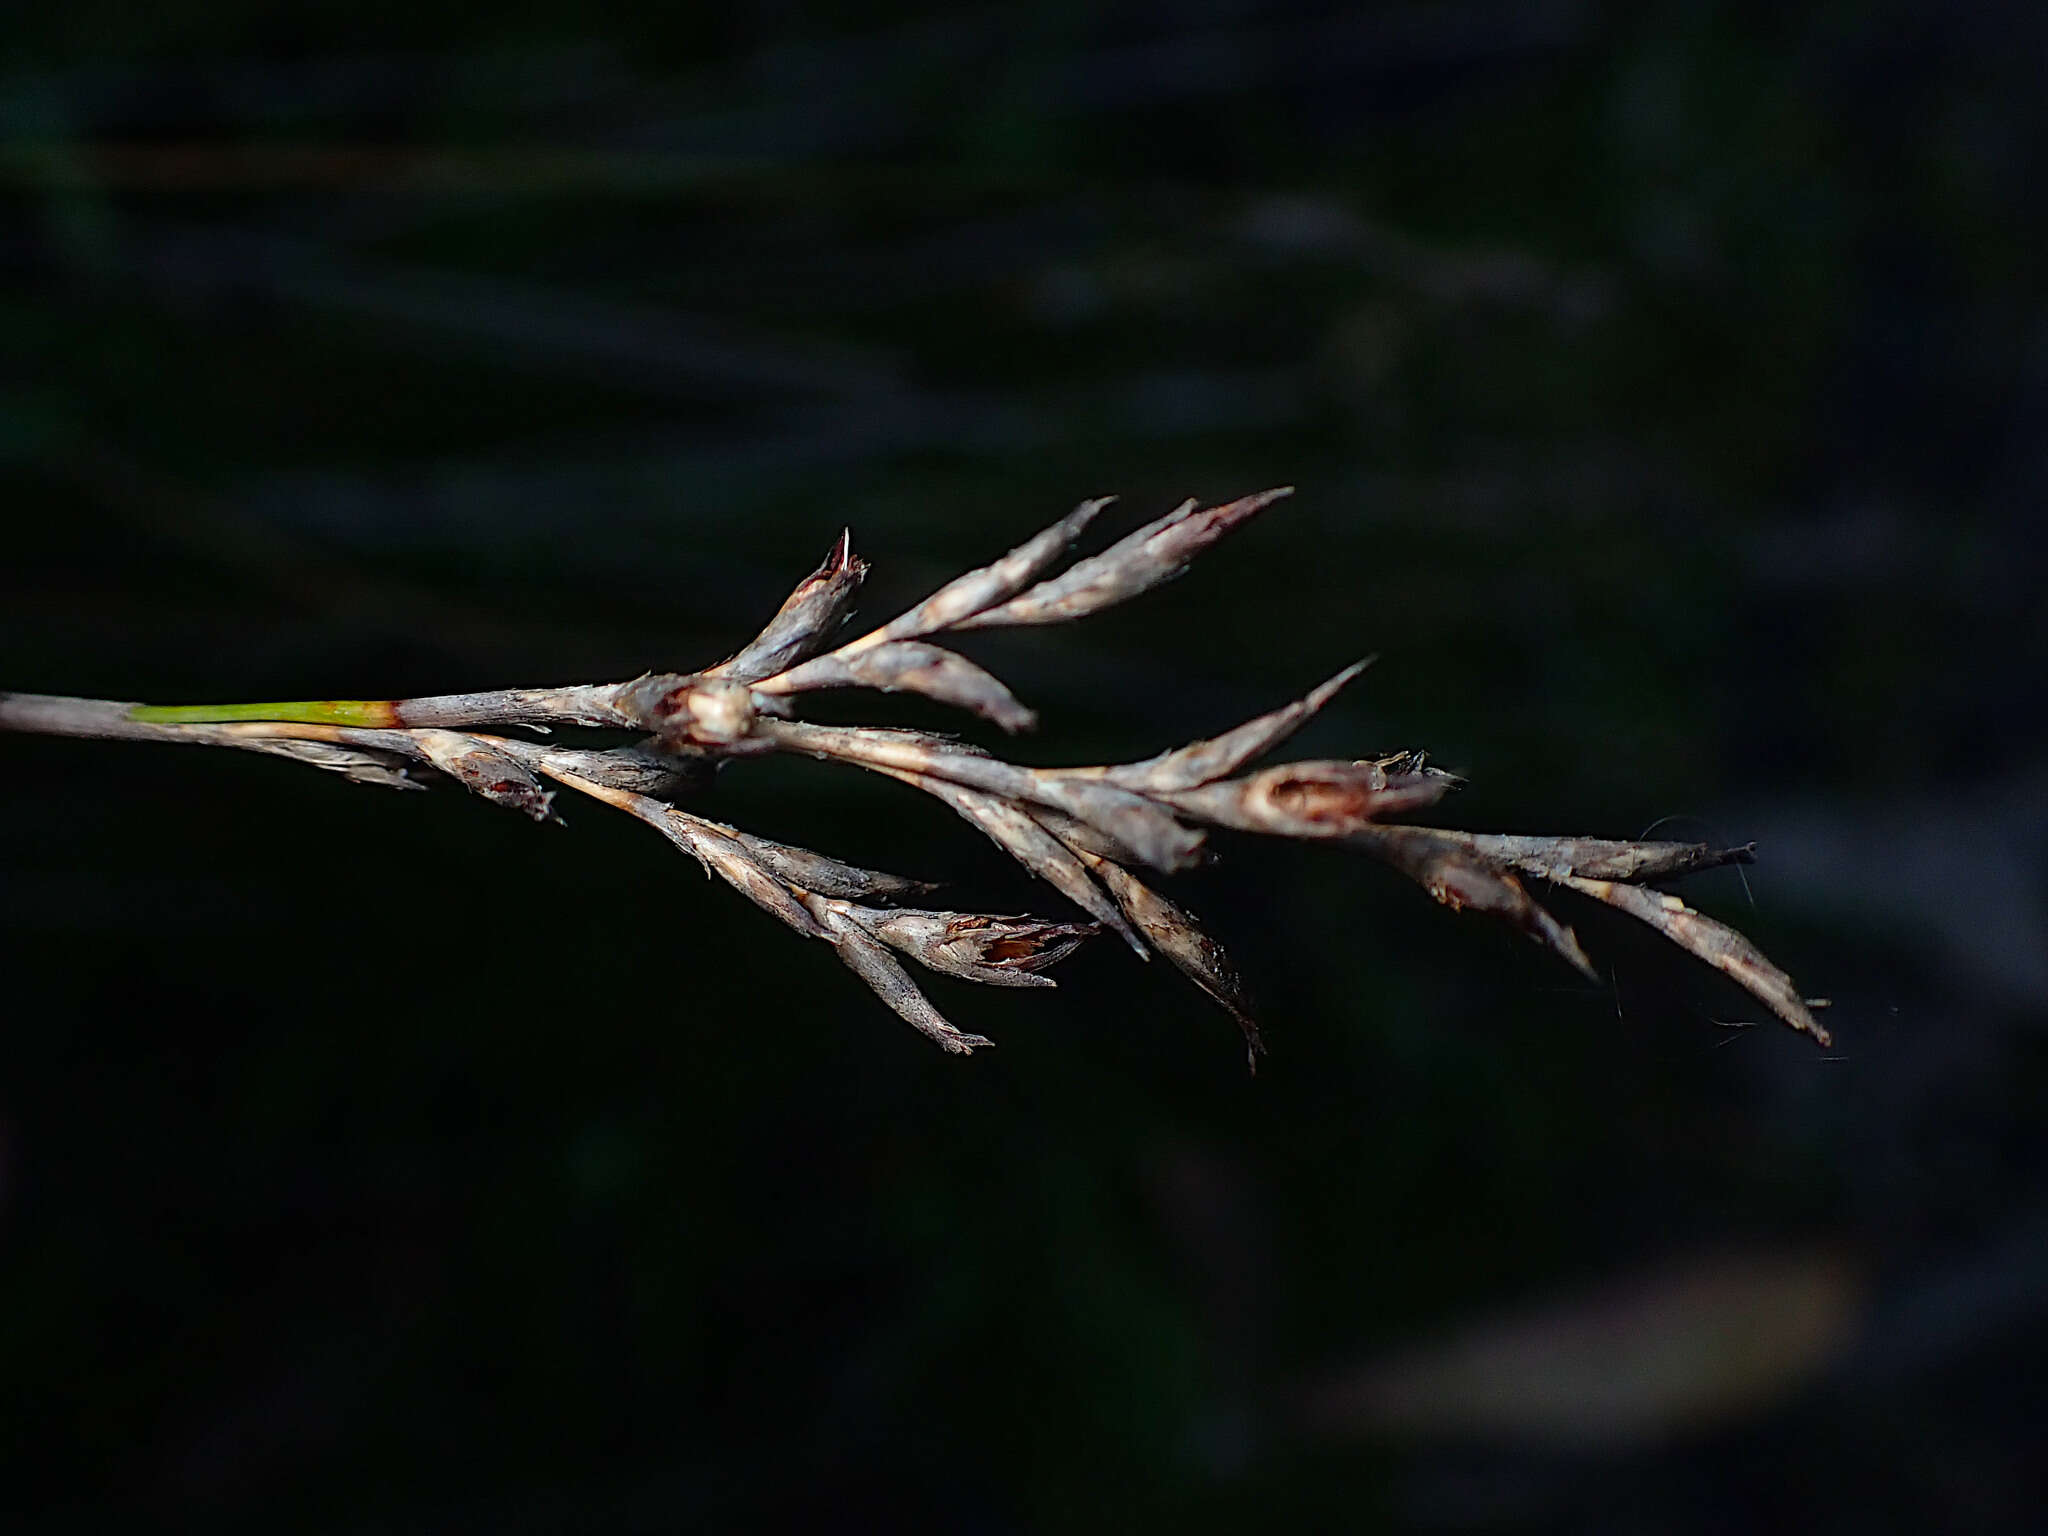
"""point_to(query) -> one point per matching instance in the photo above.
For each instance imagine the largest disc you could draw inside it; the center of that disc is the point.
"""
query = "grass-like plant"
(1088, 832)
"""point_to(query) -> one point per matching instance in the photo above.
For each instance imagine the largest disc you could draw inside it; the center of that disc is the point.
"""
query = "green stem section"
(374, 712)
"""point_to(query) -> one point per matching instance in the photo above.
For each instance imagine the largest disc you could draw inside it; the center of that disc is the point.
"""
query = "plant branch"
(1083, 830)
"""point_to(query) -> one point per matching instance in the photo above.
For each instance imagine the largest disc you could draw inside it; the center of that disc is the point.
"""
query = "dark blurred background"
(1665, 386)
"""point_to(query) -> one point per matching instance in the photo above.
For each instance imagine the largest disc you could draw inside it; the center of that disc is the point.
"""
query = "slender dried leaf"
(911, 666)
(869, 959)
(1149, 830)
(965, 596)
(722, 853)
(1081, 837)
(1595, 858)
(642, 770)
(1176, 934)
(358, 766)
(1716, 943)
(1464, 882)
(1011, 828)
(1203, 761)
(807, 621)
(1156, 553)
(829, 876)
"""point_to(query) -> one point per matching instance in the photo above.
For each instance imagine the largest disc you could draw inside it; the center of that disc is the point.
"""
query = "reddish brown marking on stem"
(1330, 798)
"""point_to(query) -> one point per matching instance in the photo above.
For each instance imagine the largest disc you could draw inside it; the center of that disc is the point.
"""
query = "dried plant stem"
(1083, 830)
